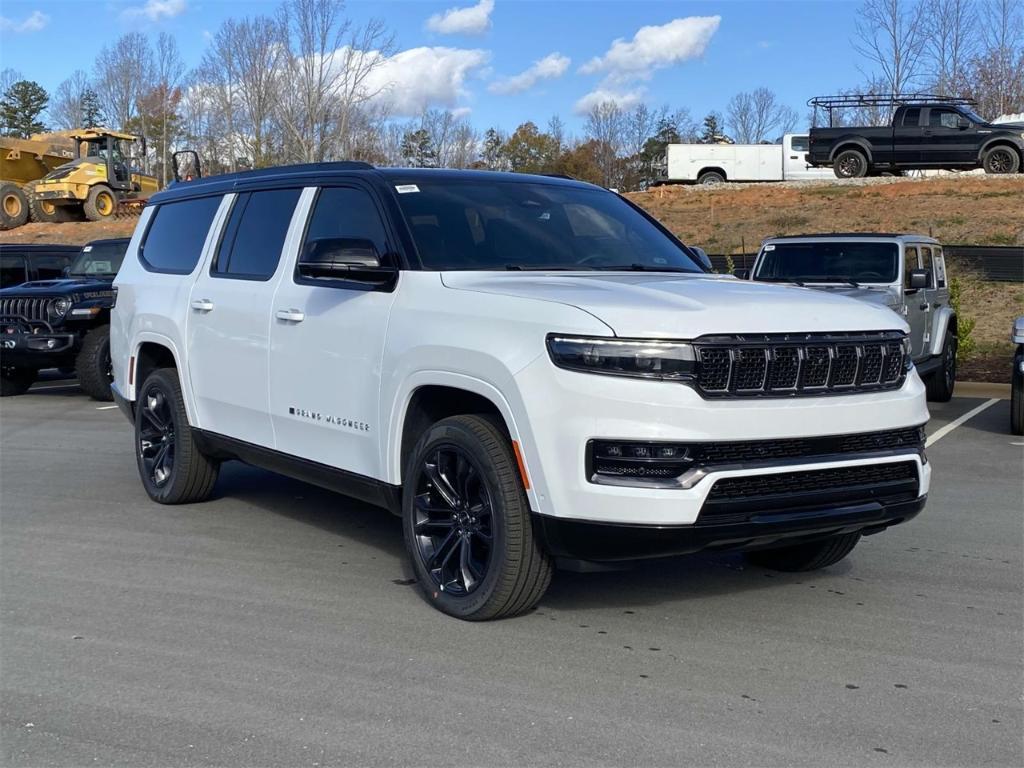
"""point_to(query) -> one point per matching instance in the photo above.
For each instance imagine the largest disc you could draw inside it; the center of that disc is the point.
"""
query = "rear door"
(915, 301)
(907, 137)
(230, 316)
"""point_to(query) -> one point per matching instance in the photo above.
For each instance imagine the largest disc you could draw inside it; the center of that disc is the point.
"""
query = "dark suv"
(62, 323)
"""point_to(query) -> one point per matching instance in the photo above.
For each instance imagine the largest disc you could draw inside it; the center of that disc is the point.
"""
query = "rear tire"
(48, 212)
(13, 206)
(16, 381)
(93, 364)
(467, 522)
(172, 468)
(940, 384)
(850, 164)
(806, 557)
(1001, 159)
(100, 204)
(711, 177)
(1017, 396)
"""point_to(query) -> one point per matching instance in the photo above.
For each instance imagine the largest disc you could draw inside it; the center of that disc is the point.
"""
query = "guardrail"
(998, 263)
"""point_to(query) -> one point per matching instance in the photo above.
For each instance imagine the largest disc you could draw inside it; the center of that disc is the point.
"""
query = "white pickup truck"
(717, 163)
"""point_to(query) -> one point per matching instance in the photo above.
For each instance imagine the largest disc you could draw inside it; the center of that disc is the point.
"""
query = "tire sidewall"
(861, 159)
(171, 389)
(1014, 161)
(453, 434)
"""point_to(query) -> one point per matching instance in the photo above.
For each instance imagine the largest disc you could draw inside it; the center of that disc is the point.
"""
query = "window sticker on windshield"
(87, 249)
(405, 189)
(769, 247)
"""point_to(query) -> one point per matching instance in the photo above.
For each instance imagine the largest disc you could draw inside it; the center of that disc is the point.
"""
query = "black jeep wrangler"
(62, 323)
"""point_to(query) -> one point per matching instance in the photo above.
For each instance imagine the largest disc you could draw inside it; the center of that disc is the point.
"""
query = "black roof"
(315, 173)
(832, 235)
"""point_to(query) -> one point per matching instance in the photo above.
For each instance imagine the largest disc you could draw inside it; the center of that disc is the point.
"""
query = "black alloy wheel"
(1001, 160)
(156, 436)
(453, 524)
(851, 164)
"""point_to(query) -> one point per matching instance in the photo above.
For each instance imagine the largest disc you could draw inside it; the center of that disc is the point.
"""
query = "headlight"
(61, 306)
(908, 360)
(646, 359)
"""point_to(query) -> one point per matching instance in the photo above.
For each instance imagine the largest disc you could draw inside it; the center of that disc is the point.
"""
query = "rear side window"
(174, 240)
(940, 269)
(911, 116)
(926, 262)
(254, 237)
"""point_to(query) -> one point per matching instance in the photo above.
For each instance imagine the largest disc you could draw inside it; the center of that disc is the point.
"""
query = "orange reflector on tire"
(521, 463)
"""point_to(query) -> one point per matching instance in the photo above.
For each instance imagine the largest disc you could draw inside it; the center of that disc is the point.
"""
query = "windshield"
(513, 225)
(824, 262)
(99, 260)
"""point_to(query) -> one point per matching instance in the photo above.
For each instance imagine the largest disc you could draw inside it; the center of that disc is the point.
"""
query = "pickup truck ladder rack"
(846, 101)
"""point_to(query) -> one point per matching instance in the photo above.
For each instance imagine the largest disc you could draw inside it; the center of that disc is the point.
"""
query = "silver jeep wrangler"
(904, 272)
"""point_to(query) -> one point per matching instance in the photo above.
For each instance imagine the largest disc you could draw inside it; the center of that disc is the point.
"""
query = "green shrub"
(965, 324)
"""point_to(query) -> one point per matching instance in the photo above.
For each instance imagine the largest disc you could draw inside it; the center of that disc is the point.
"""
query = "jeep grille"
(29, 308)
(799, 364)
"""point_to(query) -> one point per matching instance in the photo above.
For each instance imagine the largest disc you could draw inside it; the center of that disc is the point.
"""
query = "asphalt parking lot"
(275, 625)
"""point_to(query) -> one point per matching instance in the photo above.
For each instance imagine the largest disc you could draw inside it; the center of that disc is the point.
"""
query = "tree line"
(305, 84)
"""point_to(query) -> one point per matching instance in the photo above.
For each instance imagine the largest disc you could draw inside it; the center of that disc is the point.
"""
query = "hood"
(882, 295)
(646, 305)
(1014, 126)
(57, 287)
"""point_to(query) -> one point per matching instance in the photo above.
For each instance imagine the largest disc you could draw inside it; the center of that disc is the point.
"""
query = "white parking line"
(105, 407)
(941, 433)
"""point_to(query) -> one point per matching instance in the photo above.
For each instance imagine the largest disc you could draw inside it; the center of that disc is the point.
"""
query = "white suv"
(528, 370)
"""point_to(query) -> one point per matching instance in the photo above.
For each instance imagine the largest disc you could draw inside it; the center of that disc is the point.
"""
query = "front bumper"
(571, 409)
(608, 542)
(35, 350)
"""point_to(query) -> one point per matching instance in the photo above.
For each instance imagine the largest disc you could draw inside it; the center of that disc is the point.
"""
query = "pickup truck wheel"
(711, 177)
(93, 364)
(1017, 396)
(16, 381)
(13, 206)
(467, 522)
(806, 557)
(850, 164)
(940, 383)
(1001, 160)
(172, 468)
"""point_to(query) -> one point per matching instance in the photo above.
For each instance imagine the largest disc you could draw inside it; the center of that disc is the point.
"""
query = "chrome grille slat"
(804, 364)
(29, 308)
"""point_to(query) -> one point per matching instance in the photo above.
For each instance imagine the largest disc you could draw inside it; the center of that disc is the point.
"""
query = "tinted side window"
(911, 116)
(346, 212)
(940, 269)
(174, 240)
(254, 237)
(909, 262)
(926, 262)
(801, 143)
(12, 270)
(50, 267)
(943, 118)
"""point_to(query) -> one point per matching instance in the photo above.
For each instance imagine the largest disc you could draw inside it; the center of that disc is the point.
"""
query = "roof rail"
(848, 100)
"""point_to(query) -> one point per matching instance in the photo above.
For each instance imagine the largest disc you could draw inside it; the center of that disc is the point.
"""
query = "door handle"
(202, 305)
(924, 306)
(793, 157)
(937, 305)
(291, 315)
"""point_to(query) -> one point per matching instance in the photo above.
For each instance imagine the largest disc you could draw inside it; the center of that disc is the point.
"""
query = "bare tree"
(168, 71)
(123, 73)
(951, 43)
(757, 116)
(9, 77)
(1000, 68)
(66, 105)
(256, 58)
(890, 34)
(218, 83)
(606, 124)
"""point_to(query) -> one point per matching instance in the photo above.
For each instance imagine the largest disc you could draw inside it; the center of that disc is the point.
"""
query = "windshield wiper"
(835, 279)
(536, 268)
(639, 268)
(794, 280)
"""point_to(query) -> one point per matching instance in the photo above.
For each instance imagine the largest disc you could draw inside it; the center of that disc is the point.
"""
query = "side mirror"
(918, 279)
(186, 166)
(742, 274)
(963, 124)
(702, 258)
(344, 258)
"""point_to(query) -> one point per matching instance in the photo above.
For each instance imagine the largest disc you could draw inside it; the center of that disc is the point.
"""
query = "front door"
(229, 317)
(915, 301)
(327, 341)
(946, 141)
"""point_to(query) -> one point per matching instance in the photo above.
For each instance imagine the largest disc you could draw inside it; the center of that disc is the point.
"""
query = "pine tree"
(417, 149)
(92, 113)
(491, 152)
(712, 129)
(20, 108)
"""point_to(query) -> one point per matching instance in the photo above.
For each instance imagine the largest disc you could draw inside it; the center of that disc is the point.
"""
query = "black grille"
(30, 308)
(760, 486)
(746, 451)
(805, 364)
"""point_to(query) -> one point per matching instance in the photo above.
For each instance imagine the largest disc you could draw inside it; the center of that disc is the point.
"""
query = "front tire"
(100, 204)
(172, 467)
(806, 557)
(467, 522)
(1017, 396)
(850, 164)
(1001, 159)
(16, 381)
(940, 384)
(48, 212)
(93, 364)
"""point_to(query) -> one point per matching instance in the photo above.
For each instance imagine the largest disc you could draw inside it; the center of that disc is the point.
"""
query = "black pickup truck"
(932, 135)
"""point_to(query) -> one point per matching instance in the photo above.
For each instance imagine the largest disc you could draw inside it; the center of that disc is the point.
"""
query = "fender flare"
(843, 142)
(1003, 138)
(945, 318)
(149, 337)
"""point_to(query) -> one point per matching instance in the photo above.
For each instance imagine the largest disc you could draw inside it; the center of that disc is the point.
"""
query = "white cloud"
(654, 48)
(551, 66)
(154, 10)
(34, 22)
(600, 95)
(413, 80)
(474, 20)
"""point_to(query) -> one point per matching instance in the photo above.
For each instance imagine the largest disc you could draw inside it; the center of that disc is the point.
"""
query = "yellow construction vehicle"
(103, 175)
(23, 161)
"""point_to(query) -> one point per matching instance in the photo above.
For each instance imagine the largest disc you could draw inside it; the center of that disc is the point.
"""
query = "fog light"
(651, 461)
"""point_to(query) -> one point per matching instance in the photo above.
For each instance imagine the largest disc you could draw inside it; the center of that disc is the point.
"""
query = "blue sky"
(464, 61)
